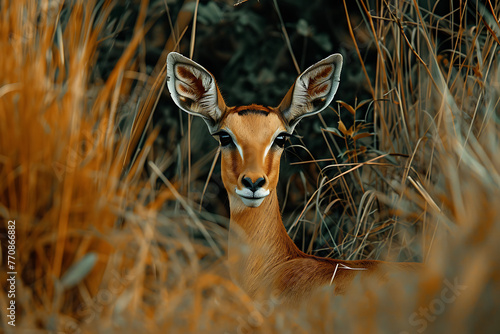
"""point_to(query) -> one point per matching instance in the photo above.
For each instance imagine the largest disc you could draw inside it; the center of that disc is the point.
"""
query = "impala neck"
(261, 226)
(258, 241)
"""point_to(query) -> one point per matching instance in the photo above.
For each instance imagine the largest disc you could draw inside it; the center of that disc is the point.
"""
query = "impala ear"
(194, 89)
(313, 90)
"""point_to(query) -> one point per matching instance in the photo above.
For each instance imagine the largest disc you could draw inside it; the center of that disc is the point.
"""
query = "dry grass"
(106, 243)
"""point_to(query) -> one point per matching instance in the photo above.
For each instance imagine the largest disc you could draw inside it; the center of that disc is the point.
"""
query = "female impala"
(262, 256)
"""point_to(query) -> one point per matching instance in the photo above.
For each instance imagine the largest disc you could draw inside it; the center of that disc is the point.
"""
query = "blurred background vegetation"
(121, 213)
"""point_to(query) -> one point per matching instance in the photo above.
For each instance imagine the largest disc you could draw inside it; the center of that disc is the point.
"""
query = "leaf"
(213, 13)
(348, 107)
(303, 28)
(343, 129)
(352, 130)
(362, 135)
(334, 131)
(77, 272)
(323, 41)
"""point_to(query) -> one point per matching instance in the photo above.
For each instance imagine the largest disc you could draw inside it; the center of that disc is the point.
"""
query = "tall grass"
(434, 193)
(106, 242)
(87, 213)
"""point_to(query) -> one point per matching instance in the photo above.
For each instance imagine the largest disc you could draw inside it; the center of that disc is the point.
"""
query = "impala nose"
(253, 186)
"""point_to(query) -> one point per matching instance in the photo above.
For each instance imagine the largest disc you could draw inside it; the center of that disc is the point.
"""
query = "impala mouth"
(250, 198)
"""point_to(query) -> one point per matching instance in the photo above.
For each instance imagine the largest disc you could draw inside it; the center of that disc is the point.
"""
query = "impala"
(263, 258)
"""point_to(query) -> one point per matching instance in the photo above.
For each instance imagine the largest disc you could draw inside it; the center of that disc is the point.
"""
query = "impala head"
(251, 137)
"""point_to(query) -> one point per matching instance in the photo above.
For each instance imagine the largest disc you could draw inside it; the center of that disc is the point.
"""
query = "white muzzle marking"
(250, 198)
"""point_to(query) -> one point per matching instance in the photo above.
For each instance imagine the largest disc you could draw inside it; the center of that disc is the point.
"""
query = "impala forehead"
(253, 128)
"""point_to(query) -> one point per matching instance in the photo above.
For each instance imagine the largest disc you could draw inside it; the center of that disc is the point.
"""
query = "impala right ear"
(194, 90)
(313, 91)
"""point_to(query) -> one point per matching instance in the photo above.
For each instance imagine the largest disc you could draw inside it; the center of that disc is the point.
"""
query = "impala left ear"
(194, 90)
(313, 91)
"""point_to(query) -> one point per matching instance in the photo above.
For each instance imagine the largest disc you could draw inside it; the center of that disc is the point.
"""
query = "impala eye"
(280, 140)
(224, 138)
